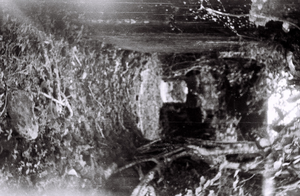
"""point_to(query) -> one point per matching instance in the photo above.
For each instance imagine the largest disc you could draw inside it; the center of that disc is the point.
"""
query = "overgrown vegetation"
(85, 96)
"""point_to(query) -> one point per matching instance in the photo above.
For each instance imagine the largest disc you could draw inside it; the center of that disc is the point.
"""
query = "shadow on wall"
(236, 101)
(178, 120)
(182, 113)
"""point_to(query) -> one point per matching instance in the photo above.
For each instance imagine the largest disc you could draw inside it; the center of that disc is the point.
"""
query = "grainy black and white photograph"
(149, 97)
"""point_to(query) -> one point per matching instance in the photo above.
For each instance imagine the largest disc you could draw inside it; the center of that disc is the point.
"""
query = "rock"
(173, 91)
(20, 109)
(148, 105)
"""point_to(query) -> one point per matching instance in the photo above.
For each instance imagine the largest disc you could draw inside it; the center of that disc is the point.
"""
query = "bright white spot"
(167, 90)
(283, 107)
(84, 75)
(259, 6)
(185, 89)
(286, 27)
(72, 172)
(281, 102)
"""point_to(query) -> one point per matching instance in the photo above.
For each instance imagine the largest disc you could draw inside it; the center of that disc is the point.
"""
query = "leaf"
(278, 173)
(207, 184)
(235, 183)
(277, 164)
(202, 180)
(236, 173)
(72, 172)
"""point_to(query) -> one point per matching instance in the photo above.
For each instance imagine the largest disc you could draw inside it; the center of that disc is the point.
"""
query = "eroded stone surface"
(149, 103)
(20, 109)
(173, 91)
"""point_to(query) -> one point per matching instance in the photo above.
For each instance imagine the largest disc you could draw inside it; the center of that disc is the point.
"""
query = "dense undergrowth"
(85, 104)
(83, 96)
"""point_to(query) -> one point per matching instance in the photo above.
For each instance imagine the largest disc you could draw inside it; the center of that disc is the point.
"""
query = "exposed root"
(64, 102)
(143, 188)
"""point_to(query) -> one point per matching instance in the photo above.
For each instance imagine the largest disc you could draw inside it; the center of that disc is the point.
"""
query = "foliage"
(255, 72)
(84, 101)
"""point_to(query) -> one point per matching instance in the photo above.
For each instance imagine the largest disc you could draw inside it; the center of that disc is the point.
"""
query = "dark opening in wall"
(178, 120)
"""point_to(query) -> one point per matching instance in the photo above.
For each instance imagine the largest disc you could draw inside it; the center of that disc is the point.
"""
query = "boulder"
(20, 109)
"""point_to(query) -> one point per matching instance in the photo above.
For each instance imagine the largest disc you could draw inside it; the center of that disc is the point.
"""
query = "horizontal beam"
(172, 43)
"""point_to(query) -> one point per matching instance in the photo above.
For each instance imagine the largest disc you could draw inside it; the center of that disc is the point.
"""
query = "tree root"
(199, 150)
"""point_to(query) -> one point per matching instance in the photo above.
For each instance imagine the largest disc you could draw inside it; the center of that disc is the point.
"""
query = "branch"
(200, 151)
(211, 11)
(94, 96)
(142, 187)
(268, 188)
(63, 103)
(4, 106)
(137, 162)
(146, 147)
(289, 187)
(67, 104)
(53, 99)
(276, 19)
(155, 159)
